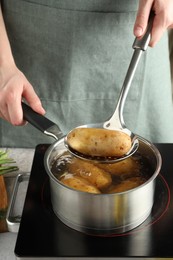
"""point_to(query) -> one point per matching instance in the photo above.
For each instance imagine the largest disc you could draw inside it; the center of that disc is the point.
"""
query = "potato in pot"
(125, 185)
(129, 166)
(79, 183)
(96, 176)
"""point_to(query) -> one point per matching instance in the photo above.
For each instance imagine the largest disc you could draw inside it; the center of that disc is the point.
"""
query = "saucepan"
(103, 214)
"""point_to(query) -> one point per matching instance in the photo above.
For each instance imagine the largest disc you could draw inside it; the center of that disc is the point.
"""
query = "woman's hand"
(13, 87)
(13, 84)
(163, 18)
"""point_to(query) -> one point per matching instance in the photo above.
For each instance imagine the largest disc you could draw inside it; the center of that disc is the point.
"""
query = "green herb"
(6, 163)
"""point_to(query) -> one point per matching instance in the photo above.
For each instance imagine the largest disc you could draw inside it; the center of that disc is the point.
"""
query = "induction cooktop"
(43, 236)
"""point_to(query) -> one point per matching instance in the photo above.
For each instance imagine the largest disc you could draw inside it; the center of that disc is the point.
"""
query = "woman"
(74, 55)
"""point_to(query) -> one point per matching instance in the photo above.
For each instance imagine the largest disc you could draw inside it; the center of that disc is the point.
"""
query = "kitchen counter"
(23, 158)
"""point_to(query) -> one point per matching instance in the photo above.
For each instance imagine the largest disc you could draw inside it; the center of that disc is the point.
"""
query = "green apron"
(76, 54)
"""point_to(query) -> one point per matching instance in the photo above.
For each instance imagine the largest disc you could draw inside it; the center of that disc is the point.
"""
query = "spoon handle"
(139, 46)
(142, 43)
(40, 122)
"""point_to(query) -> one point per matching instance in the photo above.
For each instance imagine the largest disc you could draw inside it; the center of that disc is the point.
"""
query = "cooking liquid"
(102, 178)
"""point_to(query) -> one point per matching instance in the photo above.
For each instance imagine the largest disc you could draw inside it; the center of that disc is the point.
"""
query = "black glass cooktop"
(43, 235)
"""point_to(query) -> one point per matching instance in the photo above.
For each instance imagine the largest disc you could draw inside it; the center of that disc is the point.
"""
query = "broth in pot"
(100, 178)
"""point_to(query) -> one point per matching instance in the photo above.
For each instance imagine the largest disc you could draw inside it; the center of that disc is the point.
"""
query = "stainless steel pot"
(103, 213)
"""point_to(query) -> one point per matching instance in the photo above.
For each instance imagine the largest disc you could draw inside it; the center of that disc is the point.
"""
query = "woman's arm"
(163, 18)
(5, 49)
(13, 84)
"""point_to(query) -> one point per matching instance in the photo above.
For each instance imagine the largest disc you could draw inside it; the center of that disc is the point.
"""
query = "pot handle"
(42, 123)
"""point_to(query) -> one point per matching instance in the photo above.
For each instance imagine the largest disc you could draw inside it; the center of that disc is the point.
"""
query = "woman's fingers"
(13, 87)
(142, 17)
(32, 99)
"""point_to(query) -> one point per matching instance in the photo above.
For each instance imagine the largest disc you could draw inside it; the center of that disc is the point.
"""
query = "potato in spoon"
(99, 142)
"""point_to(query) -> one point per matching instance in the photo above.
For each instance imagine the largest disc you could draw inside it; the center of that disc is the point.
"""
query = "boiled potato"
(129, 166)
(125, 185)
(96, 176)
(78, 183)
(99, 142)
